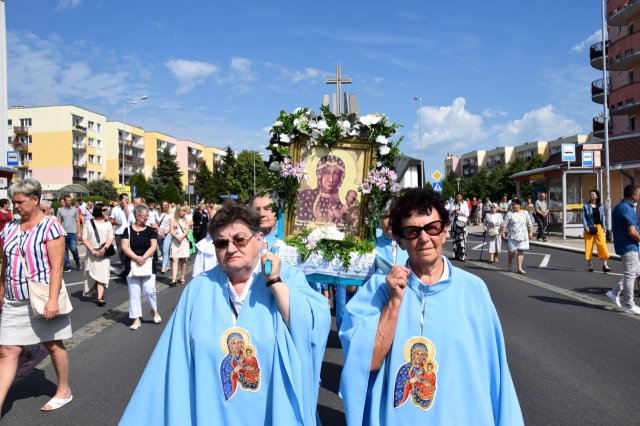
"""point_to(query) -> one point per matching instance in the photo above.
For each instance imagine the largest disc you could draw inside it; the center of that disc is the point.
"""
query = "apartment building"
(528, 150)
(473, 162)
(58, 145)
(500, 156)
(125, 152)
(452, 164)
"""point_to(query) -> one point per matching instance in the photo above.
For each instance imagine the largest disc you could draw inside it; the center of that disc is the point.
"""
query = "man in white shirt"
(119, 219)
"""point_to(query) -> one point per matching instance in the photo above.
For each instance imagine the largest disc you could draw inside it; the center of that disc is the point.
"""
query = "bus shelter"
(567, 189)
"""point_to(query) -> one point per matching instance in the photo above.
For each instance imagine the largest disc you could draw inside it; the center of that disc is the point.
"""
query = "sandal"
(173, 283)
(100, 302)
(183, 281)
(56, 403)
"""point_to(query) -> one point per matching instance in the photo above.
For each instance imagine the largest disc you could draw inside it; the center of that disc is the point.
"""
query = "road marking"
(607, 306)
(82, 282)
(545, 261)
(107, 319)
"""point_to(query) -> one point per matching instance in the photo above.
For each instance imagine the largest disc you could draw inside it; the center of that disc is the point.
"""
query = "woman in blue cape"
(423, 343)
(242, 346)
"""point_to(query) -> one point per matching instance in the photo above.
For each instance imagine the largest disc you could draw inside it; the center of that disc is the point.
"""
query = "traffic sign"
(587, 158)
(437, 176)
(568, 152)
(12, 158)
(592, 147)
(437, 186)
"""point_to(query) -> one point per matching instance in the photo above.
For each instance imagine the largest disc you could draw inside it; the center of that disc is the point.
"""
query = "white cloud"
(51, 71)
(298, 76)
(451, 125)
(190, 73)
(593, 38)
(540, 124)
(68, 4)
(241, 73)
(491, 113)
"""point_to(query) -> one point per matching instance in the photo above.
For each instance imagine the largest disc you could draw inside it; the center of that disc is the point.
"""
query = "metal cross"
(338, 81)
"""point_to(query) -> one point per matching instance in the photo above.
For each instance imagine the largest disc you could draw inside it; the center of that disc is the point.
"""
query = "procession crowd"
(250, 331)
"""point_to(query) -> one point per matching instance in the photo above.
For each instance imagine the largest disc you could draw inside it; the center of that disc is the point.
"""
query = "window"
(25, 139)
(630, 77)
(632, 124)
(9, 122)
(90, 142)
(78, 140)
(92, 175)
(25, 122)
(99, 144)
(28, 174)
(99, 159)
(630, 28)
(99, 175)
(90, 125)
(98, 127)
(27, 156)
(91, 158)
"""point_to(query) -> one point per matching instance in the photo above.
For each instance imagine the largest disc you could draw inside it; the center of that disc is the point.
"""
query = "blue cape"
(474, 385)
(183, 382)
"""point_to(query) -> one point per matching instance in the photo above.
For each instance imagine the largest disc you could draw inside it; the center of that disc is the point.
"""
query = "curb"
(612, 256)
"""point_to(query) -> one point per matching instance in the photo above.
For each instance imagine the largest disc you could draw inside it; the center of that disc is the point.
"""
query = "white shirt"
(151, 220)
(238, 300)
(119, 216)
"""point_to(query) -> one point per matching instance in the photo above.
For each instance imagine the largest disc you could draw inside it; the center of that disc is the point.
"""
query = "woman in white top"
(518, 229)
(98, 266)
(492, 224)
(163, 224)
(179, 245)
(459, 228)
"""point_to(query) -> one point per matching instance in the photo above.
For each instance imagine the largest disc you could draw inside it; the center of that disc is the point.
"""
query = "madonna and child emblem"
(416, 379)
(240, 365)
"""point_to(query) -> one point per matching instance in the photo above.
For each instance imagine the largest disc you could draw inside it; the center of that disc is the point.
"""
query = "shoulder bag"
(136, 270)
(110, 251)
(39, 292)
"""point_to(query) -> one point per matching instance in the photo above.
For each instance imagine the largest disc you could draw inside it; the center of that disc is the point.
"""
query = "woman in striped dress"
(40, 241)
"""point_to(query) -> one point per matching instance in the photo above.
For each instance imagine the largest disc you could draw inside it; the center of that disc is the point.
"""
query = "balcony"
(78, 146)
(624, 53)
(125, 142)
(20, 130)
(137, 160)
(597, 90)
(24, 164)
(79, 180)
(622, 14)
(595, 54)
(79, 163)
(79, 129)
(19, 146)
(598, 127)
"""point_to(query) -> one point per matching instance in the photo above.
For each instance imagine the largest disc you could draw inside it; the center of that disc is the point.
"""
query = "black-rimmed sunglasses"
(432, 228)
(239, 242)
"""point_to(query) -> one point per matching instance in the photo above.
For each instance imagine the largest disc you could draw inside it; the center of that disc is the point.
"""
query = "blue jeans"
(166, 245)
(71, 243)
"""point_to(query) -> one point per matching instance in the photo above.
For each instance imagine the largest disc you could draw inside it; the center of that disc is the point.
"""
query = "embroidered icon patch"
(417, 377)
(240, 365)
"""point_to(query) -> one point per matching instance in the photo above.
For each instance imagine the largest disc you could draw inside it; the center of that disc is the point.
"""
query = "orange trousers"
(600, 242)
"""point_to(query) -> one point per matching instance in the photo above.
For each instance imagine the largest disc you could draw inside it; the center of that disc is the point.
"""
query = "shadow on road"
(561, 301)
(34, 385)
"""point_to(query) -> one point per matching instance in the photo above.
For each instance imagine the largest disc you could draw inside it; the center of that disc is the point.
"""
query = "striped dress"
(17, 324)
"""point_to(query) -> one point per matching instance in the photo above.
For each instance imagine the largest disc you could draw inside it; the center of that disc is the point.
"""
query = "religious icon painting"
(416, 379)
(330, 196)
(240, 366)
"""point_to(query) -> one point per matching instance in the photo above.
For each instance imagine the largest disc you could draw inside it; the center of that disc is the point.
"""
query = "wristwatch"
(273, 281)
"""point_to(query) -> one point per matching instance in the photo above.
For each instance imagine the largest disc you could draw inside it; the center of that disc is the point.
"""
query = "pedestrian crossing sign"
(437, 186)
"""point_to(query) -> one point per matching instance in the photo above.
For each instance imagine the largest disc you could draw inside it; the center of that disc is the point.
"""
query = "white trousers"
(138, 285)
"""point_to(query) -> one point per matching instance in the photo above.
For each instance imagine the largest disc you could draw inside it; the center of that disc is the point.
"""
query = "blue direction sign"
(437, 186)
(12, 158)
(233, 196)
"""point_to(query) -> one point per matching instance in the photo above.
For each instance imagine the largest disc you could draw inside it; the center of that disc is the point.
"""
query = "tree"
(103, 188)
(479, 185)
(239, 178)
(142, 187)
(169, 171)
(497, 179)
(172, 194)
(203, 186)
(155, 187)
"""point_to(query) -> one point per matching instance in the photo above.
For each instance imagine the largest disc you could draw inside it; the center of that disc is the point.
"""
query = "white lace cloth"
(361, 268)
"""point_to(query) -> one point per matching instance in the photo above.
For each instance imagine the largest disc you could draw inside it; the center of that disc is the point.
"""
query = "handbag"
(593, 230)
(145, 270)
(39, 292)
(492, 232)
(110, 250)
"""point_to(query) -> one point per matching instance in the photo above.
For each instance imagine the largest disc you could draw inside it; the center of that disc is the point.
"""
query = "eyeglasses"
(105, 210)
(238, 241)
(432, 228)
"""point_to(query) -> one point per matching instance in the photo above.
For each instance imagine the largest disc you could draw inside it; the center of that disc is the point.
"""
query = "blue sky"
(489, 73)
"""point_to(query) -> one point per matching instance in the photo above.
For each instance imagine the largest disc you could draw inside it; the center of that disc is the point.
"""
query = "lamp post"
(607, 203)
(124, 132)
(419, 99)
(458, 182)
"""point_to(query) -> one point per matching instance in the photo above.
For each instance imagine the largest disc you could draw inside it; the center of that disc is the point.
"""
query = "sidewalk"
(555, 241)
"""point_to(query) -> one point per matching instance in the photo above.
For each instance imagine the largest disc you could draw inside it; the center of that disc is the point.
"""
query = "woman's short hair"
(516, 201)
(97, 210)
(416, 201)
(232, 212)
(139, 209)
(3, 202)
(28, 187)
(495, 205)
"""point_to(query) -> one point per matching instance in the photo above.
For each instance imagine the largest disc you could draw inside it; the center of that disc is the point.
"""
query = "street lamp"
(419, 99)
(124, 132)
(607, 203)
(458, 182)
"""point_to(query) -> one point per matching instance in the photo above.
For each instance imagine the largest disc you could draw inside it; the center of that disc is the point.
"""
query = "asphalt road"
(572, 357)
